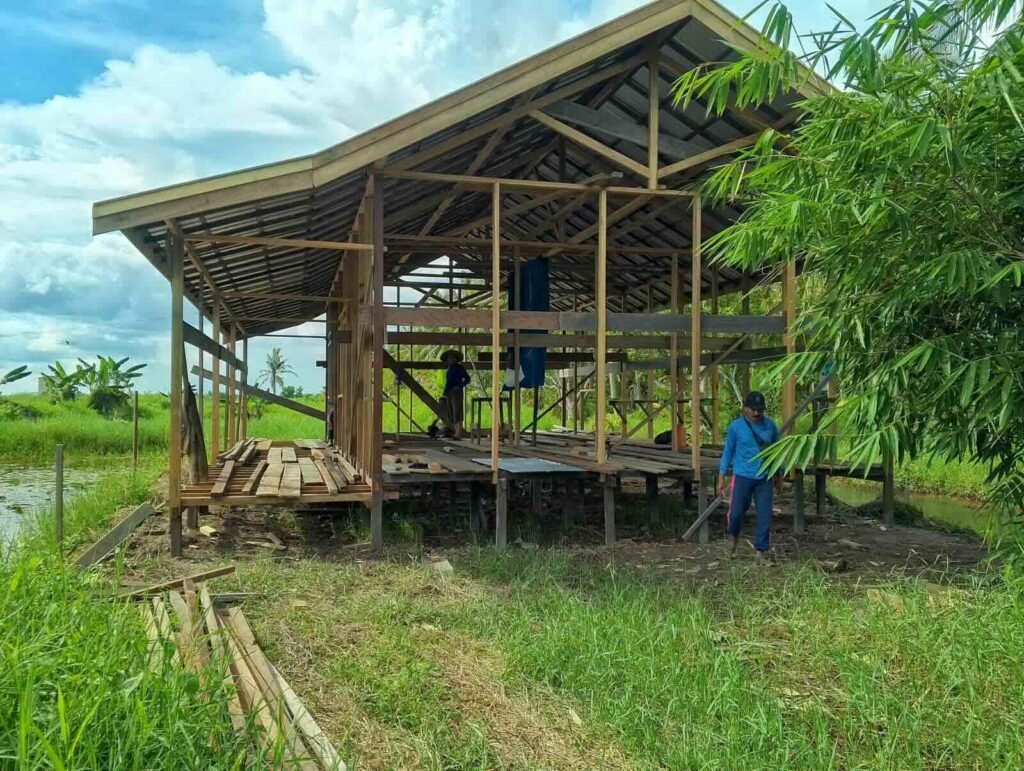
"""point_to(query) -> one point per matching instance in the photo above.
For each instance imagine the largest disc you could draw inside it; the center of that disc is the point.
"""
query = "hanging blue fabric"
(534, 295)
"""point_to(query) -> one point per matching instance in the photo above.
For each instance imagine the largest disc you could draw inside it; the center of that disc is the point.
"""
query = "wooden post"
(518, 405)
(799, 511)
(673, 365)
(496, 334)
(244, 395)
(501, 514)
(215, 394)
(716, 436)
(888, 490)
(377, 420)
(696, 285)
(789, 309)
(176, 257)
(474, 507)
(653, 112)
(601, 340)
(650, 391)
(202, 360)
(609, 509)
(745, 310)
(576, 403)
(135, 430)
(58, 500)
(230, 437)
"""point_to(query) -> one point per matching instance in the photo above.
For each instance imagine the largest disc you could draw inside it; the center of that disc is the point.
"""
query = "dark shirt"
(456, 377)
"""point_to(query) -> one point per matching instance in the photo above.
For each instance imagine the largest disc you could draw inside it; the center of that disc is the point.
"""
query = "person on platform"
(455, 380)
(748, 436)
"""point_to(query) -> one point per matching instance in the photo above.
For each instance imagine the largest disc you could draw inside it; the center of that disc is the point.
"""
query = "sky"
(102, 98)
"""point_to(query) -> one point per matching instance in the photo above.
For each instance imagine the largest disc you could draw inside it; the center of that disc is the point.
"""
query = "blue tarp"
(534, 295)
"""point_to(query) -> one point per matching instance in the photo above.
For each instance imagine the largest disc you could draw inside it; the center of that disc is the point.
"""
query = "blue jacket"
(741, 449)
(456, 377)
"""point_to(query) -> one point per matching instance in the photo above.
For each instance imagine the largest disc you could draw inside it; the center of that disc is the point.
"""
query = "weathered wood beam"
(274, 399)
(194, 337)
(707, 156)
(614, 126)
(587, 142)
(483, 339)
(533, 184)
(292, 243)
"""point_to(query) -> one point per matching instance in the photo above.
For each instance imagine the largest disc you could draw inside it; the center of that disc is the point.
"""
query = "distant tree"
(15, 374)
(109, 382)
(62, 385)
(276, 366)
(902, 195)
(292, 392)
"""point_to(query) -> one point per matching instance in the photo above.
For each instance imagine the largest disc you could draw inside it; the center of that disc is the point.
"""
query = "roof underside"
(528, 149)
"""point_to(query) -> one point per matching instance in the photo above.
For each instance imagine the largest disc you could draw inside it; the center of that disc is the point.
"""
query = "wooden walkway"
(259, 471)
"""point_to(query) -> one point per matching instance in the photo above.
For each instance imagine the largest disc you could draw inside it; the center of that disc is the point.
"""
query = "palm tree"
(277, 366)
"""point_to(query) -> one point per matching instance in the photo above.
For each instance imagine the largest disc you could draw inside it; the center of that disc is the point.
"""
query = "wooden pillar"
(649, 394)
(653, 111)
(673, 365)
(501, 514)
(888, 490)
(176, 258)
(799, 510)
(651, 492)
(230, 434)
(377, 404)
(496, 335)
(716, 436)
(609, 510)
(789, 310)
(696, 439)
(244, 393)
(215, 392)
(200, 388)
(745, 310)
(576, 403)
(601, 340)
(474, 507)
(517, 420)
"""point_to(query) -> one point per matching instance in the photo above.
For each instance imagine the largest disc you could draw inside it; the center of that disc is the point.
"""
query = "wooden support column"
(176, 259)
(673, 365)
(650, 392)
(747, 344)
(696, 439)
(799, 507)
(500, 485)
(215, 443)
(517, 428)
(609, 510)
(716, 436)
(200, 386)
(244, 394)
(888, 490)
(601, 340)
(229, 428)
(789, 311)
(377, 419)
(653, 112)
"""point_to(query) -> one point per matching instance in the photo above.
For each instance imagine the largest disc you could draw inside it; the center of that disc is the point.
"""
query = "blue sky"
(100, 98)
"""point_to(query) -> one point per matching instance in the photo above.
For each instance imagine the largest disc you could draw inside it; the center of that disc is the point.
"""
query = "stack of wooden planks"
(207, 639)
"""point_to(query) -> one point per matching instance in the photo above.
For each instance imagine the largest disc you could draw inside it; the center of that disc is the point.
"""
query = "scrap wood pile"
(207, 638)
(260, 468)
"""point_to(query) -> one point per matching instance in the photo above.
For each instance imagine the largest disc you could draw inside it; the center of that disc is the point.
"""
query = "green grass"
(75, 687)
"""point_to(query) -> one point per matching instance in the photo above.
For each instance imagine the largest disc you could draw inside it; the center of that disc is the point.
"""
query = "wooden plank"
(178, 583)
(284, 243)
(288, 455)
(328, 479)
(274, 456)
(291, 481)
(316, 740)
(115, 536)
(308, 470)
(222, 656)
(222, 481)
(249, 453)
(270, 484)
(194, 337)
(273, 398)
(254, 478)
(263, 445)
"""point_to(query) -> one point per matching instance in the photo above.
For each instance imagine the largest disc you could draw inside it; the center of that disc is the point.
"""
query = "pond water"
(955, 512)
(25, 489)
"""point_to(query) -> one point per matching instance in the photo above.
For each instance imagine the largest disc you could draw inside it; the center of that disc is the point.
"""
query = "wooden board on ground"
(288, 455)
(254, 478)
(325, 474)
(263, 445)
(114, 537)
(291, 481)
(311, 444)
(310, 474)
(222, 481)
(274, 456)
(246, 455)
(270, 485)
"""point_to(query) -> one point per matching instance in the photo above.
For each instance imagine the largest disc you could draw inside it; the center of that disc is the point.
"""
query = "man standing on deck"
(747, 437)
(455, 380)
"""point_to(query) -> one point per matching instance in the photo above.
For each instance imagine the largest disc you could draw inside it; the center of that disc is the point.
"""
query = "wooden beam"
(273, 398)
(789, 314)
(696, 284)
(194, 337)
(453, 338)
(574, 245)
(495, 330)
(589, 143)
(601, 292)
(377, 332)
(527, 185)
(708, 155)
(283, 296)
(215, 442)
(674, 360)
(114, 537)
(653, 116)
(291, 243)
(176, 258)
(614, 126)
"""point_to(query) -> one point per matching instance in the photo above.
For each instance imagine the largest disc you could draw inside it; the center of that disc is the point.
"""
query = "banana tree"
(109, 382)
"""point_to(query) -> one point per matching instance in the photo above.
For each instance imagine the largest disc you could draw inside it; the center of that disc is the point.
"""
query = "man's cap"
(755, 401)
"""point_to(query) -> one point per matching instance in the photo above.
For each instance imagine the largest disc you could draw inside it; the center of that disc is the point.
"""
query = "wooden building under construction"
(576, 157)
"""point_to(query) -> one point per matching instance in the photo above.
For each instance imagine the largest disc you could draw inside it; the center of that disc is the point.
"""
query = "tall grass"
(76, 690)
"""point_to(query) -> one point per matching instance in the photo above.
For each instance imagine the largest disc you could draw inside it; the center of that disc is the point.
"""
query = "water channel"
(28, 489)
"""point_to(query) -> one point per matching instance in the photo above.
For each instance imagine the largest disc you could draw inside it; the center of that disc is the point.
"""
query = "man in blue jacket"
(747, 437)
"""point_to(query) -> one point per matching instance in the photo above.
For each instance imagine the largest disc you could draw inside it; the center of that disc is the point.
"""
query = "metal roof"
(317, 197)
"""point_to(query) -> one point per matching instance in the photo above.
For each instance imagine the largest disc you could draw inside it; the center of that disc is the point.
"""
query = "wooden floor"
(259, 471)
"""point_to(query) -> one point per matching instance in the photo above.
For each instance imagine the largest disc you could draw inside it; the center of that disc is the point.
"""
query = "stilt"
(377, 521)
(192, 517)
(570, 505)
(704, 534)
(501, 514)
(176, 258)
(609, 510)
(799, 515)
(820, 493)
(453, 500)
(536, 488)
(688, 494)
(474, 507)
(888, 491)
(651, 490)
